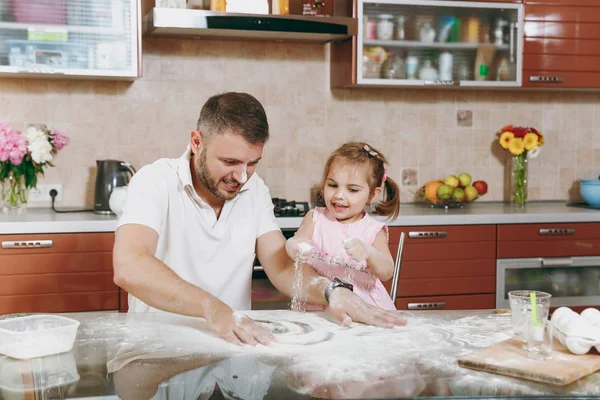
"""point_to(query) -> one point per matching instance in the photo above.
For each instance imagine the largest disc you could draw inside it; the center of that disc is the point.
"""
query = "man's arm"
(140, 273)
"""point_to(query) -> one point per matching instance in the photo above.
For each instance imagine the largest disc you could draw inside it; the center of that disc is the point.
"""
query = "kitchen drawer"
(55, 263)
(564, 2)
(586, 80)
(452, 233)
(563, 30)
(57, 283)
(57, 243)
(550, 13)
(432, 251)
(548, 240)
(573, 47)
(463, 302)
(55, 303)
(425, 278)
(571, 63)
(578, 230)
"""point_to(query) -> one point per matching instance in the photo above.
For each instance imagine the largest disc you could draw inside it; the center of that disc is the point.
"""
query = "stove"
(285, 208)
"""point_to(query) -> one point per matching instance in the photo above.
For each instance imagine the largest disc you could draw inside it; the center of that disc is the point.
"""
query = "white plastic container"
(37, 335)
(39, 373)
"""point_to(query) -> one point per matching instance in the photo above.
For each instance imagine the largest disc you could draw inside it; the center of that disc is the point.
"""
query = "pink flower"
(58, 139)
(13, 146)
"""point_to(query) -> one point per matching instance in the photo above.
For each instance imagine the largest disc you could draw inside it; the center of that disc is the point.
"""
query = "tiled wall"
(416, 129)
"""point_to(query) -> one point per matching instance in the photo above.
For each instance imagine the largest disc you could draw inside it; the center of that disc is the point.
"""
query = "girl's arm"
(377, 256)
(380, 259)
(301, 238)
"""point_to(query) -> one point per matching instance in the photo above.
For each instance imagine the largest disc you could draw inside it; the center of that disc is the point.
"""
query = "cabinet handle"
(557, 232)
(546, 79)
(427, 235)
(441, 83)
(27, 244)
(556, 262)
(258, 268)
(427, 306)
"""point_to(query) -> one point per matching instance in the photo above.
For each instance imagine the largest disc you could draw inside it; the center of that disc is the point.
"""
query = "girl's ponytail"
(390, 205)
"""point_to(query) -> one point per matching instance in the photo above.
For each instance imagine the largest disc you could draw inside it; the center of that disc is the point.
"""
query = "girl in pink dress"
(346, 242)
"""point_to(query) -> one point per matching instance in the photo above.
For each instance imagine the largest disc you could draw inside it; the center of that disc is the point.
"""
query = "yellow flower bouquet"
(524, 144)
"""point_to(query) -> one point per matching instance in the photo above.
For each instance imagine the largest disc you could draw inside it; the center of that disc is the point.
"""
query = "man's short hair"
(239, 113)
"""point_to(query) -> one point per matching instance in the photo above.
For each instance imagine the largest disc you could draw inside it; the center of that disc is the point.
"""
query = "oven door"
(264, 295)
(572, 281)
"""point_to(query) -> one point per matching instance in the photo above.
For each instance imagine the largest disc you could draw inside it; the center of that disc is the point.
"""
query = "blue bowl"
(590, 191)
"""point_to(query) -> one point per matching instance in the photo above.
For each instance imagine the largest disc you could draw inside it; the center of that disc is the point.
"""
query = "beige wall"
(151, 118)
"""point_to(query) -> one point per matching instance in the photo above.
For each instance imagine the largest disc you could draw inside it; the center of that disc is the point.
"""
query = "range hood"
(210, 24)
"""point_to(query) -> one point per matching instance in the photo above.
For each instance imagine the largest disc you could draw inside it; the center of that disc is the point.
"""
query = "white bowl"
(37, 335)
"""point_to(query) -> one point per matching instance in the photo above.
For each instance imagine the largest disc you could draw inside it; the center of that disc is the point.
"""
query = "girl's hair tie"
(384, 175)
(370, 152)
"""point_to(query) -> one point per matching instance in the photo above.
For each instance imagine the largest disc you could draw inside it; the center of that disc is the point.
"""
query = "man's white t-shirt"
(213, 254)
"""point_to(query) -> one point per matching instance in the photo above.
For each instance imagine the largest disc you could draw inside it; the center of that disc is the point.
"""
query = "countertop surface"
(159, 356)
(44, 220)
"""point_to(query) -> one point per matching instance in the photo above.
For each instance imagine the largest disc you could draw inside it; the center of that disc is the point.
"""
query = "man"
(191, 226)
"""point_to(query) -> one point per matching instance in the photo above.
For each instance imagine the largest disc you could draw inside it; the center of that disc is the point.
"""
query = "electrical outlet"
(42, 193)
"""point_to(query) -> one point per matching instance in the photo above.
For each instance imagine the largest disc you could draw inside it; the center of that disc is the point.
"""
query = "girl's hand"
(298, 248)
(357, 249)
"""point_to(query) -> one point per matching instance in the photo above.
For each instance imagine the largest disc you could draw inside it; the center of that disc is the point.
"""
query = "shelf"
(95, 30)
(423, 45)
(199, 24)
(41, 72)
(374, 82)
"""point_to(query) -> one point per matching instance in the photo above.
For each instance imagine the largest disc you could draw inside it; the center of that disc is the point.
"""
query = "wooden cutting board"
(509, 358)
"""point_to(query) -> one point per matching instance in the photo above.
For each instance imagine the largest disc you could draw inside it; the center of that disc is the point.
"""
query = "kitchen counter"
(163, 356)
(43, 220)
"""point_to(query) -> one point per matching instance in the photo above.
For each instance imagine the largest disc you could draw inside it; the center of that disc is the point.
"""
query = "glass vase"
(14, 195)
(518, 175)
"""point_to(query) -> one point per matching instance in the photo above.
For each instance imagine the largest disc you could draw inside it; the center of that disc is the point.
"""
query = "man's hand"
(345, 307)
(235, 327)
(357, 249)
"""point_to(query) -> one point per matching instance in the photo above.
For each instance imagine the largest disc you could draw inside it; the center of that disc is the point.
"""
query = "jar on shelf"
(385, 27)
(428, 72)
(401, 27)
(370, 28)
(399, 67)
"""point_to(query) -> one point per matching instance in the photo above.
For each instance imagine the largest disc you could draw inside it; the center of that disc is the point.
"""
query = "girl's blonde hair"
(359, 153)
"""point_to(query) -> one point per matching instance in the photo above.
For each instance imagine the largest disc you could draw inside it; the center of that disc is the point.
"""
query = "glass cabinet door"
(97, 38)
(446, 43)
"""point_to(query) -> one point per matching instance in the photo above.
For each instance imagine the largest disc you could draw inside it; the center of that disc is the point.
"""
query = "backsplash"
(419, 131)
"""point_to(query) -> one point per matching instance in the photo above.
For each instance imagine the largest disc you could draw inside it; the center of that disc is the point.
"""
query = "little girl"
(345, 241)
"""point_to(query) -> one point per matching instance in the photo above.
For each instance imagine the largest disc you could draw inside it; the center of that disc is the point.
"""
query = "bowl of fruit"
(452, 192)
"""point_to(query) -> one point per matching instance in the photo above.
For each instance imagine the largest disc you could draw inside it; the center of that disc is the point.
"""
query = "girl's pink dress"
(330, 259)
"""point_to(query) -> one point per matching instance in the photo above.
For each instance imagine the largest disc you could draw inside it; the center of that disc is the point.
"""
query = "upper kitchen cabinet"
(562, 44)
(70, 38)
(432, 43)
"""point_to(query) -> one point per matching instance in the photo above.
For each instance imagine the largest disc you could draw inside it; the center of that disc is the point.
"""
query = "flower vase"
(518, 189)
(14, 195)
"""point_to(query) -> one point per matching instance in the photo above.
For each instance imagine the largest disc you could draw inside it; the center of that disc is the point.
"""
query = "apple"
(471, 193)
(465, 179)
(458, 194)
(444, 192)
(481, 187)
(452, 181)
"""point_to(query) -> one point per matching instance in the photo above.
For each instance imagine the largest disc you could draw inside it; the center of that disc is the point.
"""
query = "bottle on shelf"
(427, 71)
(281, 7)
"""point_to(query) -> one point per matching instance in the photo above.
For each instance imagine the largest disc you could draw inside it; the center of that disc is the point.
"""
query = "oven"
(264, 295)
(572, 281)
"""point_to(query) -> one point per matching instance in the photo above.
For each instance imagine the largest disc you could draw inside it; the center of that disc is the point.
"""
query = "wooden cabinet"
(561, 44)
(548, 240)
(57, 273)
(451, 266)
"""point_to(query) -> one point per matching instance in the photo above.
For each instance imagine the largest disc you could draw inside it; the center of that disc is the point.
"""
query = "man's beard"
(208, 181)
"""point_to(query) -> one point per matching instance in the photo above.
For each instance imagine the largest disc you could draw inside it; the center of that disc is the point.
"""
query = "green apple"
(444, 192)
(452, 181)
(471, 193)
(465, 179)
(458, 194)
